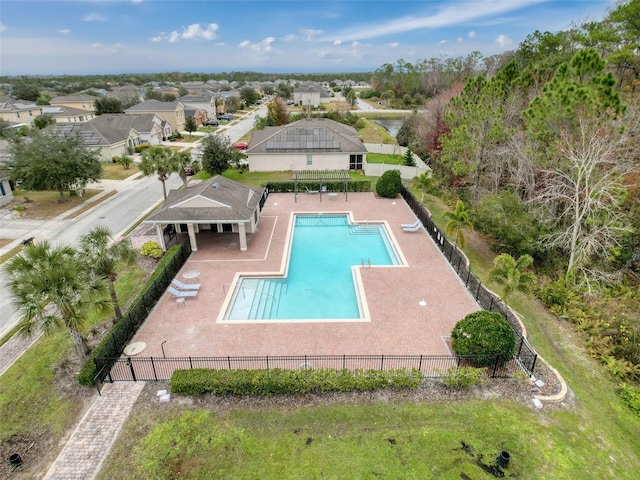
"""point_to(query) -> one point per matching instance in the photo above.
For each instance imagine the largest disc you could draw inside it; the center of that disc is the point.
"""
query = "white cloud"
(459, 39)
(356, 43)
(111, 48)
(394, 44)
(264, 45)
(64, 31)
(471, 34)
(289, 38)
(95, 17)
(503, 40)
(442, 41)
(157, 39)
(244, 43)
(137, 1)
(309, 34)
(174, 37)
(196, 32)
(337, 42)
(457, 13)
(3, 27)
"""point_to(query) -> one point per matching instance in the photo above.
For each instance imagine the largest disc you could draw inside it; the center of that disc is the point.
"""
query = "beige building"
(81, 101)
(62, 114)
(172, 112)
(308, 144)
(19, 112)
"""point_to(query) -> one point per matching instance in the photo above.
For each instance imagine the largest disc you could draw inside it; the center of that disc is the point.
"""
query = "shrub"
(390, 184)
(141, 147)
(630, 396)
(463, 377)
(151, 249)
(279, 381)
(484, 335)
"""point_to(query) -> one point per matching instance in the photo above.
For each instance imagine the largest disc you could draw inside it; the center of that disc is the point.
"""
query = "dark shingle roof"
(215, 200)
(154, 106)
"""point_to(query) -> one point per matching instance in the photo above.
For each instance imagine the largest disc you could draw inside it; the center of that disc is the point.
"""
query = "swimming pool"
(320, 280)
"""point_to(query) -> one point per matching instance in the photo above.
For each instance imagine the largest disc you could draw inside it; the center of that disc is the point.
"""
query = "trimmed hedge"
(389, 184)
(279, 381)
(487, 336)
(108, 347)
(289, 187)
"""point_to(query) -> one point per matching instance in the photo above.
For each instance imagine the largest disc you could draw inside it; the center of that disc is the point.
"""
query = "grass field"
(114, 171)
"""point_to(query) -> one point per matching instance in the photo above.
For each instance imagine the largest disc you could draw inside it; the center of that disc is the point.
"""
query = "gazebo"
(321, 177)
(216, 205)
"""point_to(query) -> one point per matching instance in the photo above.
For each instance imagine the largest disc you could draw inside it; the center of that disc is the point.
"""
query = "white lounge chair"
(412, 228)
(182, 293)
(185, 286)
(323, 189)
(311, 191)
(417, 223)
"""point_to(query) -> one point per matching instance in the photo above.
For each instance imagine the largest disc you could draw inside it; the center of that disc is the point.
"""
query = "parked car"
(225, 116)
(240, 145)
(189, 171)
(212, 122)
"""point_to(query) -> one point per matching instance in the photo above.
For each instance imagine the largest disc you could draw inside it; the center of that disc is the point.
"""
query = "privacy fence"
(110, 367)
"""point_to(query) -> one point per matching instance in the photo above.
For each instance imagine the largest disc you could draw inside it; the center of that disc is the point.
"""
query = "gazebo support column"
(242, 234)
(160, 235)
(192, 237)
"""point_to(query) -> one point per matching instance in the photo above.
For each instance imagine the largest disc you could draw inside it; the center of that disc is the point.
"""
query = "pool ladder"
(368, 262)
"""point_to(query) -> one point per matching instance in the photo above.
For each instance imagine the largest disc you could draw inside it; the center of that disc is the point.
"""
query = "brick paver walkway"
(85, 451)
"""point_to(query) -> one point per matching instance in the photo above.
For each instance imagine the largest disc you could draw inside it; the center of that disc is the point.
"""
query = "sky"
(295, 36)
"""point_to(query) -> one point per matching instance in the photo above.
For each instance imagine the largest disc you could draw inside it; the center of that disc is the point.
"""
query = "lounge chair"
(185, 286)
(411, 225)
(412, 228)
(324, 189)
(181, 293)
(311, 191)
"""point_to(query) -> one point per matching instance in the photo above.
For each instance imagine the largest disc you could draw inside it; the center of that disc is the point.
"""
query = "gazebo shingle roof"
(217, 200)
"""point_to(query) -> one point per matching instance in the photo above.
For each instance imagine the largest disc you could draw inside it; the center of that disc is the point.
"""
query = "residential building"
(62, 114)
(109, 142)
(311, 95)
(78, 100)
(149, 126)
(204, 101)
(172, 112)
(308, 144)
(19, 112)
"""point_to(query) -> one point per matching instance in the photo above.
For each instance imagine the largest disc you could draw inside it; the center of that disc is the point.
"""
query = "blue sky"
(110, 36)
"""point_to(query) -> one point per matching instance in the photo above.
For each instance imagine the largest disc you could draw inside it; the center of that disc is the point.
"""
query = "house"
(311, 94)
(204, 101)
(308, 144)
(150, 127)
(110, 142)
(172, 112)
(198, 114)
(217, 205)
(6, 194)
(78, 100)
(62, 114)
(19, 112)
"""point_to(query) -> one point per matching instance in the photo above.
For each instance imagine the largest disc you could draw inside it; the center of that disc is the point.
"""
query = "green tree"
(423, 182)
(459, 220)
(232, 104)
(43, 121)
(104, 257)
(52, 288)
(161, 161)
(389, 184)
(409, 161)
(108, 105)
(190, 125)
(43, 98)
(26, 91)
(513, 274)
(183, 159)
(125, 161)
(217, 154)
(249, 95)
(484, 335)
(50, 161)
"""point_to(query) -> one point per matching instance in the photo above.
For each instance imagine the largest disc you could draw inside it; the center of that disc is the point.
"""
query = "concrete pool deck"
(398, 324)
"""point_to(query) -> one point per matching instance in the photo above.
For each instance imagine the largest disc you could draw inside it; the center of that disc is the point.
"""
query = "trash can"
(15, 460)
(503, 459)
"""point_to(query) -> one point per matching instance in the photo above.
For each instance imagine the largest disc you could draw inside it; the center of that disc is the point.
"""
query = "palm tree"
(52, 288)
(423, 183)
(183, 159)
(161, 161)
(104, 257)
(458, 221)
(512, 274)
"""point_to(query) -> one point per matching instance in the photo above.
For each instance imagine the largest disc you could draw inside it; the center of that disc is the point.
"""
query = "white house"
(308, 144)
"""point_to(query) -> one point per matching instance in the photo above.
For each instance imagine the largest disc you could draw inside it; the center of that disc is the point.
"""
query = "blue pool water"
(319, 283)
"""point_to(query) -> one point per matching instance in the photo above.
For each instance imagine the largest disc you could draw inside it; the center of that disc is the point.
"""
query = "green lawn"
(385, 158)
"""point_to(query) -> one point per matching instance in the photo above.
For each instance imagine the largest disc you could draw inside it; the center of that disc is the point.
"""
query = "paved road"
(134, 199)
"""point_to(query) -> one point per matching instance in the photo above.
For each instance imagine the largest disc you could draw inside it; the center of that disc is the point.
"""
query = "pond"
(391, 125)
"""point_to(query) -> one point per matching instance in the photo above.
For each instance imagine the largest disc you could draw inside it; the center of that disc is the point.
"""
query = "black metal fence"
(113, 345)
(525, 354)
(161, 369)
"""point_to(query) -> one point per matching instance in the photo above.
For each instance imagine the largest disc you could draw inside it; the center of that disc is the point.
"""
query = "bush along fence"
(525, 355)
(98, 365)
(432, 366)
